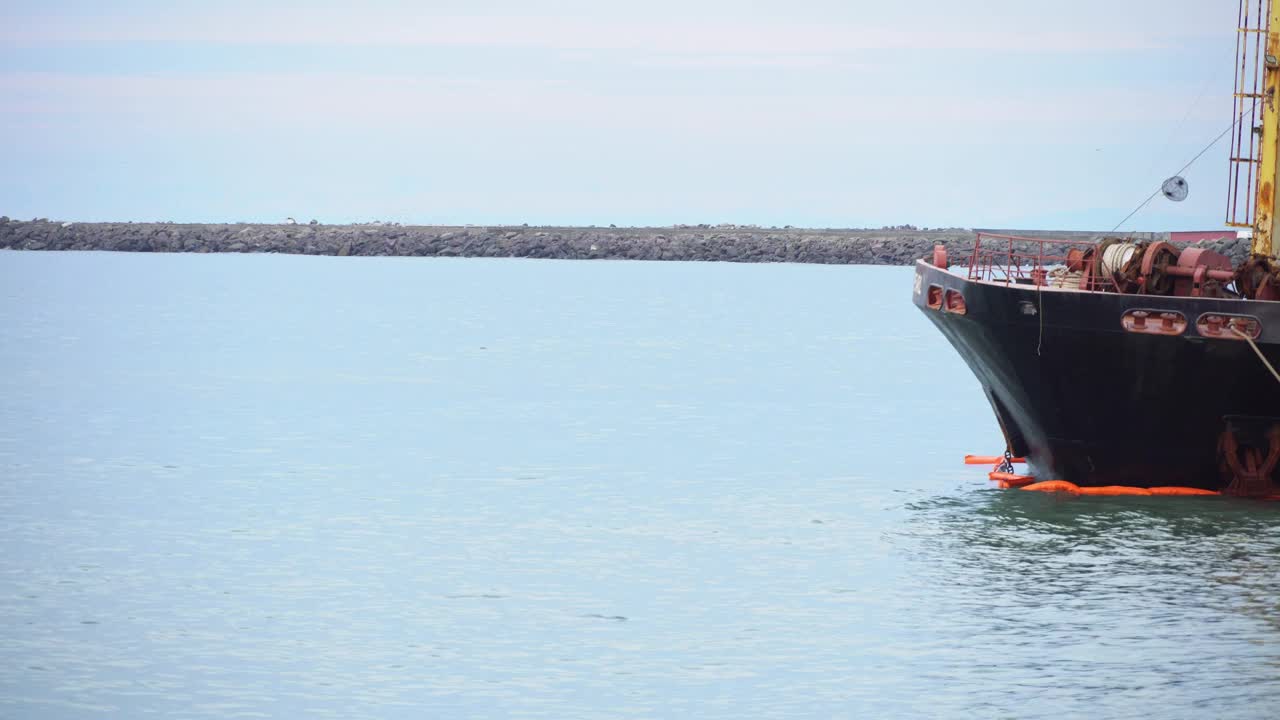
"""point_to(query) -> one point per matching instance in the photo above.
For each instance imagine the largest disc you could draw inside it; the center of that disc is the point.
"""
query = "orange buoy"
(1053, 486)
(989, 460)
(1182, 491)
(1114, 490)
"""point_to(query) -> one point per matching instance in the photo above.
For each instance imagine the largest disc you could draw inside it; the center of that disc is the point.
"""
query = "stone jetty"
(726, 243)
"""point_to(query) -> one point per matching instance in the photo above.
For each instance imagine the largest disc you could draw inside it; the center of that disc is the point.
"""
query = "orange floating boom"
(1182, 491)
(1053, 486)
(989, 460)
(1113, 490)
(1008, 480)
(1064, 486)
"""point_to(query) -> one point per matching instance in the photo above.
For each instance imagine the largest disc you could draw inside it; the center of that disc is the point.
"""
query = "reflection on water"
(253, 486)
(1141, 600)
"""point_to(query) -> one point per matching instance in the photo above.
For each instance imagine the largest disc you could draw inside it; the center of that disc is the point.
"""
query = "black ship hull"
(1090, 401)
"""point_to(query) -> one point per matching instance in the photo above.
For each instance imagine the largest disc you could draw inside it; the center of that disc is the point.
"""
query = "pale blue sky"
(999, 113)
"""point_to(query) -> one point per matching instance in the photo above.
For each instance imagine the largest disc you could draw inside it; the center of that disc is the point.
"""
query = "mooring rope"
(1040, 312)
(1261, 357)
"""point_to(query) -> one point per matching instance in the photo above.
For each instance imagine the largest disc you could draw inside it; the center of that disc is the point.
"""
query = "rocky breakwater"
(886, 246)
(729, 244)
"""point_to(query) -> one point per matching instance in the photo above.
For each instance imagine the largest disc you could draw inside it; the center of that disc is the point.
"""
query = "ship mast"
(1255, 140)
(1269, 138)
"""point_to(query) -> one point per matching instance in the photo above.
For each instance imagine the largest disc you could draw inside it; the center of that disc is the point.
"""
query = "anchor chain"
(1006, 465)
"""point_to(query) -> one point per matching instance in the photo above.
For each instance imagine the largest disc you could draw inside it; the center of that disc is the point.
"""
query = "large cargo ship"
(1139, 363)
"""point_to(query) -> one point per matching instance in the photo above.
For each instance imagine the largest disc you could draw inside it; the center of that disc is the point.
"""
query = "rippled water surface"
(262, 486)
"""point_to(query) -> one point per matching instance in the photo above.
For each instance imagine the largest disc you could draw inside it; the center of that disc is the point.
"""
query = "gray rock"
(687, 243)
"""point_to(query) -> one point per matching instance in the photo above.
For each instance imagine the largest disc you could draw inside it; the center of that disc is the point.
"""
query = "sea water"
(268, 486)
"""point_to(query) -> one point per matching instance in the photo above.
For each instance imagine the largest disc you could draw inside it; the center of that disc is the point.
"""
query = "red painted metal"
(954, 302)
(1155, 277)
(1027, 260)
(1259, 278)
(1076, 259)
(1163, 268)
(1154, 322)
(1220, 325)
(1195, 236)
(1196, 266)
(940, 257)
(1250, 466)
(935, 297)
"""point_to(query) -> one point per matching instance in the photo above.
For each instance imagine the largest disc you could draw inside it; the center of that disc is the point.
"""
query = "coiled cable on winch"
(1116, 256)
(1138, 267)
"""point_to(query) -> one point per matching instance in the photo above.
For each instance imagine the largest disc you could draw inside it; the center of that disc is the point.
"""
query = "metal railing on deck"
(1067, 264)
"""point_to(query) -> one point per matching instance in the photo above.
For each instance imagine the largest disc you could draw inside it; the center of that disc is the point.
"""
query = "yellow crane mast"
(1269, 138)
(1255, 138)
